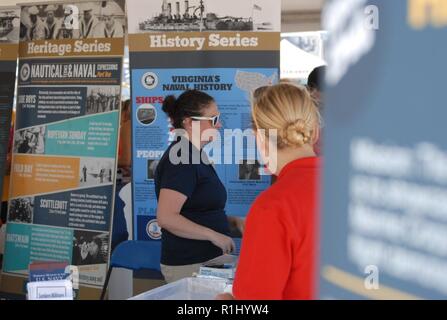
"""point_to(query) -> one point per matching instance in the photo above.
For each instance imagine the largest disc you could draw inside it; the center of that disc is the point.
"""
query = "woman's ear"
(315, 135)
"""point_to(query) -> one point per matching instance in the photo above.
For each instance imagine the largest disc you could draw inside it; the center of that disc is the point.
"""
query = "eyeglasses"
(214, 120)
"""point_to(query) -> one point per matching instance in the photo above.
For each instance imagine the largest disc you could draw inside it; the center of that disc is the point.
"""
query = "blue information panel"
(230, 89)
(228, 58)
(384, 220)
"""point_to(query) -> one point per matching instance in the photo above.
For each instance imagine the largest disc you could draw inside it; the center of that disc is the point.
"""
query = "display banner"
(384, 222)
(224, 48)
(9, 43)
(65, 140)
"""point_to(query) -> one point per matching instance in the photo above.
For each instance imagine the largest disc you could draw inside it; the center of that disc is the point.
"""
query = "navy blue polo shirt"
(205, 203)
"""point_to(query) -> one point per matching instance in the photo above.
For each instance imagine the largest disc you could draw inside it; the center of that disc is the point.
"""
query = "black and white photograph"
(249, 170)
(146, 114)
(101, 19)
(30, 141)
(96, 19)
(151, 167)
(9, 25)
(102, 99)
(21, 210)
(89, 248)
(204, 15)
(95, 171)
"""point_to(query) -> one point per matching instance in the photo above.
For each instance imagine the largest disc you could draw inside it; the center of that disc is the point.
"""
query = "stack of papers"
(221, 267)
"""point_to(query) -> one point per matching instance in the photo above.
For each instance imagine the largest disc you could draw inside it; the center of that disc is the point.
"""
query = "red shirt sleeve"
(266, 256)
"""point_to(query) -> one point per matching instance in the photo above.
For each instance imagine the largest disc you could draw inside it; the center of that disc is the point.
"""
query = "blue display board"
(225, 59)
(152, 139)
(384, 220)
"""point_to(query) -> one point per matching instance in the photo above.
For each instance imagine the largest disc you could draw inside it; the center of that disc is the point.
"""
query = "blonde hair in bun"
(290, 111)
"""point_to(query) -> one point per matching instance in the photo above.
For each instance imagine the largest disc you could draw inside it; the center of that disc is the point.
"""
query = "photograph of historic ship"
(200, 15)
(9, 25)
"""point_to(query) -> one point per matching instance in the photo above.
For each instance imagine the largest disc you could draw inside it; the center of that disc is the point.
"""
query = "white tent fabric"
(297, 63)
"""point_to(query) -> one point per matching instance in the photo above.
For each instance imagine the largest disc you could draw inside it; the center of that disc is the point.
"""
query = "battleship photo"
(9, 26)
(193, 17)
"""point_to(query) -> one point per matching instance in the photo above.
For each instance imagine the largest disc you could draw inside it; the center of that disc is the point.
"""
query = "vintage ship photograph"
(179, 16)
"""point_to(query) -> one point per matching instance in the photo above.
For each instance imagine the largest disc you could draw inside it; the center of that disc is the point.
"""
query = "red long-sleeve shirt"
(278, 250)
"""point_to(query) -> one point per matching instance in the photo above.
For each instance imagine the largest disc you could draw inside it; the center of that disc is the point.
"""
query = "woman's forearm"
(185, 228)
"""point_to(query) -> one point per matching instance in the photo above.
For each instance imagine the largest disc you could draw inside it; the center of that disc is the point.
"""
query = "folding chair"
(134, 255)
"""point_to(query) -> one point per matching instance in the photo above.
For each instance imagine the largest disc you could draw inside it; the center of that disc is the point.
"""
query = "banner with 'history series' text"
(224, 48)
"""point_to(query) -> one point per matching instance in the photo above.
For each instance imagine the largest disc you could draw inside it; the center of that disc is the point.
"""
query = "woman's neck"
(287, 155)
(195, 142)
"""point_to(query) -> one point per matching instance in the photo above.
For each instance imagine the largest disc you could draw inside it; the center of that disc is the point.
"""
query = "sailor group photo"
(69, 21)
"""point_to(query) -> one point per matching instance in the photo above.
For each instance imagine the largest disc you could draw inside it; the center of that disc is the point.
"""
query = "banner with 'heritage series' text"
(65, 140)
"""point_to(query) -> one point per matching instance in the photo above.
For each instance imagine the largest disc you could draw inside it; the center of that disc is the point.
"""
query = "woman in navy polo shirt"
(191, 197)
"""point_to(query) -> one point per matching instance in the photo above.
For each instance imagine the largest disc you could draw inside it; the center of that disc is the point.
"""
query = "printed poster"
(65, 138)
(226, 49)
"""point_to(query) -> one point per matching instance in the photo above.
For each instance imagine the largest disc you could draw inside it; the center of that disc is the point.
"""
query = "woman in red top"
(278, 259)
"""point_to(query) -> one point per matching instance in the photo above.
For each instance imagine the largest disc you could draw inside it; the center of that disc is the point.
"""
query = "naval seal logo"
(153, 230)
(25, 72)
(149, 80)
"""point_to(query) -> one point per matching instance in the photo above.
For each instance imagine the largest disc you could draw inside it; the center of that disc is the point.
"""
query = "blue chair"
(134, 255)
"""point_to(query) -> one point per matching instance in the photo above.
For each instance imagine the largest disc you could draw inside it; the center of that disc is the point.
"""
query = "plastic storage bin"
(187, 289)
